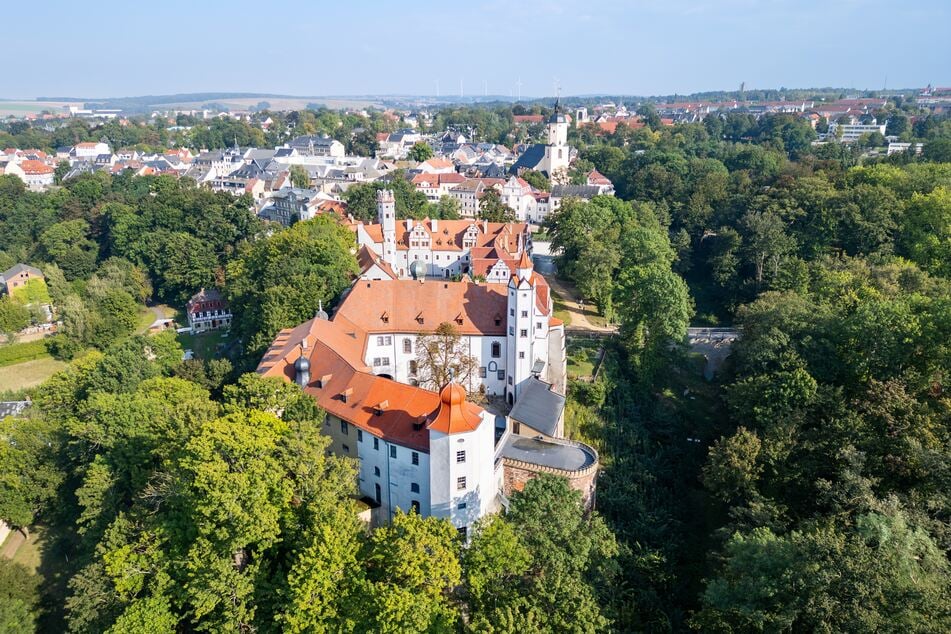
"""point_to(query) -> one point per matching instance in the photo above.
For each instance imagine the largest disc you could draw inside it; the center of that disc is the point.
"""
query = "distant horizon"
(610, 47)
(244, 94)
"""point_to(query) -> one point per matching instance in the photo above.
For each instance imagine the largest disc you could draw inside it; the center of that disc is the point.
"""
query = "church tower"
(557, 152)
(521, 331)
(386, 216)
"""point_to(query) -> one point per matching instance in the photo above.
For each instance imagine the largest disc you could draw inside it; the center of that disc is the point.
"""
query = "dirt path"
(14, 540)
(569, 297)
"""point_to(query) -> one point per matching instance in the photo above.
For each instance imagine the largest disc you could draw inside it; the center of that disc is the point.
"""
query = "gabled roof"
(530, 159)
(538, 406)
(344, 387)
(19, 268)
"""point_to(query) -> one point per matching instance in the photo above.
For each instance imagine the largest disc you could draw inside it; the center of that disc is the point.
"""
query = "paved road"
(545, 265)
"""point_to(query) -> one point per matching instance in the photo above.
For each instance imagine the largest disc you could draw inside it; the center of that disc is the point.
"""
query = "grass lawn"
(28, 373)
(205, 345)
(148, 315)
(14, 353)
(560, 311)
(29, 552)
(582, 356)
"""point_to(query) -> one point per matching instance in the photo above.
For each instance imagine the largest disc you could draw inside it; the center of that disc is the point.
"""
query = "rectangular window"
(461, 483)
(523, 332)
(412, 366)
(482, 372)
(346, 448)
(460, 456)
(344, 428)
(511, 330)
(524, 313)
(392, 451)
(521, 355)
(407, 345)
(501, 375)
(538, 325)
(376, 443)
(376, 362)
(510, 380)
(463, 533)
(376, 471)
(462, 506)
(388, 340)
(415, 457)
(414, 487)
(496, 349)
(359, 435)
(512, 312)
(379, 341)
(516, 427)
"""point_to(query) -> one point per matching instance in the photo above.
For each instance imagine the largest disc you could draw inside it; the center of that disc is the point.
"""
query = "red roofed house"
(36, 175)
(208, 310)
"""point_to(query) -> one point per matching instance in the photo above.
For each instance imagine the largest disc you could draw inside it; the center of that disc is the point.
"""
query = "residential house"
(208, 310)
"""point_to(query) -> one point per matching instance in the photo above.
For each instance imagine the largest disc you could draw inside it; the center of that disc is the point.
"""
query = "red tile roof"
(35, 168)
(412, 306)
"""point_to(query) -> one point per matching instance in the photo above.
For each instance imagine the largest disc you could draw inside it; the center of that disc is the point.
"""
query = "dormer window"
(385, 318)
(381, 407)
(346, 395)
(323, 381)
(419, 318)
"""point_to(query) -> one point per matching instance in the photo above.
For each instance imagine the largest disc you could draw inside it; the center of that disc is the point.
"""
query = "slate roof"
(585, 192)
(530, 158)
(539, 407)
(16, 269)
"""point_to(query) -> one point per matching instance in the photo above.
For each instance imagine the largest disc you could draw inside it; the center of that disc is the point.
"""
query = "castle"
(437, 451)
(418, 249)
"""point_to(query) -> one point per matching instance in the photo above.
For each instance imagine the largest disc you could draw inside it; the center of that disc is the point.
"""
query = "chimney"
(485, 226)
(409, 224)
(435, 224)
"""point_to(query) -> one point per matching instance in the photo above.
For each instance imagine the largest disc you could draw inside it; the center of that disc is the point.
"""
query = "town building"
(317, 145)
(36, 175)
(852, 132)
(17, 277)
(208, 310)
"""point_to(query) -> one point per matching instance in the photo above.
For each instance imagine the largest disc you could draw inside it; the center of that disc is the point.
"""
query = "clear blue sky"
(315, 47)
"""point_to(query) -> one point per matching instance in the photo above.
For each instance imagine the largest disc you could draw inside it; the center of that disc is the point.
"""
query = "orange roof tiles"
(35, 168)
(344, 387)
(413, 306)
(448, 235)
(455, 414)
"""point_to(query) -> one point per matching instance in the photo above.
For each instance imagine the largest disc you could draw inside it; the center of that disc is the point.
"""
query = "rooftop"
(562, 455)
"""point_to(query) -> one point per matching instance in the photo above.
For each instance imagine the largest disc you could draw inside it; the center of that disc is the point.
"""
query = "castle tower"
(463, 478)
(521, 331)
(386, 216)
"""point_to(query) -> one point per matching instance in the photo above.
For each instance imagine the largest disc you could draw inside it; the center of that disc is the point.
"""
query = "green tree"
(282, 280)
(420, 152)
(299, 176)
(14, 316)
(492, 208)
(413, 565)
